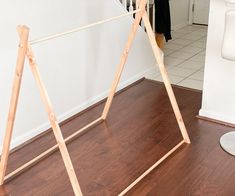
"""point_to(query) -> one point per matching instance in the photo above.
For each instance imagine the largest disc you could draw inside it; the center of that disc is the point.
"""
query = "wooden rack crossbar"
(151, 169)
(51, 150)
(50, 37)
(25, 51)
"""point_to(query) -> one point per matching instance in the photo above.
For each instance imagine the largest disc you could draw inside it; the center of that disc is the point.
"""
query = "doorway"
(199, 11)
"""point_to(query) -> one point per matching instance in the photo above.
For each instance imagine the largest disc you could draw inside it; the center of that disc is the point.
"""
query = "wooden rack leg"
(159, 57)
(120, 68)
(54, 124)
(23, 33)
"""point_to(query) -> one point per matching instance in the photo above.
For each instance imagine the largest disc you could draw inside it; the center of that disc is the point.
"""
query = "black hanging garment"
(163, 18)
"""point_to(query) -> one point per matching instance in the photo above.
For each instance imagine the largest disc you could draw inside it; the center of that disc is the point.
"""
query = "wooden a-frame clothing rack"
(25, 51)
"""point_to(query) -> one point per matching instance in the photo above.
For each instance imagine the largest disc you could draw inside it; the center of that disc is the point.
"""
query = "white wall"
(179, 13)
(218, 91)
(77, 69)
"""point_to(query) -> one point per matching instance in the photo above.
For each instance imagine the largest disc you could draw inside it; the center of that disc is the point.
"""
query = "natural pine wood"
(49, 151)
(160, 64)
(23, 32)
(54, 123)
(114, 153)
(58, 35)
(141, 4)
(148, 171)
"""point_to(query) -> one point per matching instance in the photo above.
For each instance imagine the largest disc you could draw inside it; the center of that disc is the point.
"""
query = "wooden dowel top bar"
(54, 36)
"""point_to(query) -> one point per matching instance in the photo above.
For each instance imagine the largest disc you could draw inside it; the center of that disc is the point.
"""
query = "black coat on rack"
(163, 18)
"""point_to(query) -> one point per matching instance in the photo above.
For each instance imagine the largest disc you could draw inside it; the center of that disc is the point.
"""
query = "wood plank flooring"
(140, 129)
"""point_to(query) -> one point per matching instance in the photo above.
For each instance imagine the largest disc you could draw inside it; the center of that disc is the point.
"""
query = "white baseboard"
(216, 116)
(45, 126)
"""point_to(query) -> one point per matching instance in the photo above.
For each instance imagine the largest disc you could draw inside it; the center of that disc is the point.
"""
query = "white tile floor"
(185, 57)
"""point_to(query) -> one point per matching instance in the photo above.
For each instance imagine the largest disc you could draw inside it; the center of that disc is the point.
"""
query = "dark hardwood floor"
(140, 129)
